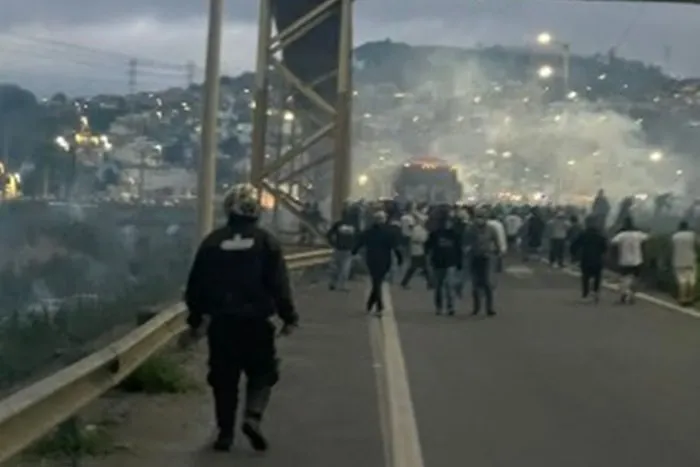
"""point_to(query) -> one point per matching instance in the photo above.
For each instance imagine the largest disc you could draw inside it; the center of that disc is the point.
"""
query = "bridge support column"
(342, 170)
(320, 117)
(206, 182)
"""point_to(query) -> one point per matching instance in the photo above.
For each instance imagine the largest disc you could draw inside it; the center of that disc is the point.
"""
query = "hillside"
(170, 119)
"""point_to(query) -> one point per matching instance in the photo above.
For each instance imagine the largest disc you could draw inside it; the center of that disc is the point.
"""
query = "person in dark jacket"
(239, 281)
(444, 249)
(342, 236)
(589, 249)
(600, 209)
(575, 229)
(533, 231)
(378, 242)
(484, 250)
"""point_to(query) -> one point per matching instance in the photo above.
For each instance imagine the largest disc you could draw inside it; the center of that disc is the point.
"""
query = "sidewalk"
(324, 411)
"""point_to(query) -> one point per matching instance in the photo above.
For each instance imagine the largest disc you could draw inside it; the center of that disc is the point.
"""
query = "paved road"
(549, 382)
(552, 382)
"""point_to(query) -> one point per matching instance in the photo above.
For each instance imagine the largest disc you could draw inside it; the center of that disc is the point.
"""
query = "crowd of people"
(239, 280)
(454, 245)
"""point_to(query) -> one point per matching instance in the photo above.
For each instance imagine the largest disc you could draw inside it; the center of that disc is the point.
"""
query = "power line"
(634, 20)
(76, 49)
(62, 56)
(14, 75)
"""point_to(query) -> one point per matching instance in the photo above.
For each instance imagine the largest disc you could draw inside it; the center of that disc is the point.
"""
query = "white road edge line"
(399, 425)
(377, 346)
(641, 295)
(406, 448)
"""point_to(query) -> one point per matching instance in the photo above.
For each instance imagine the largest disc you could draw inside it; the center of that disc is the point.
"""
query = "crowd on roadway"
(454, 245)
(239, 281)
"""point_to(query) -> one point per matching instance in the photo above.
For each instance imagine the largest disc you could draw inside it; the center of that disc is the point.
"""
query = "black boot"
(251, 428)
(223, 442)
(476, 300)
(257, 398)
(225, 403)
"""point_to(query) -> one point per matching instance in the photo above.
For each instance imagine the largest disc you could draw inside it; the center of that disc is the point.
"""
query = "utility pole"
(207, 157)
(142, 174)
(133, 71)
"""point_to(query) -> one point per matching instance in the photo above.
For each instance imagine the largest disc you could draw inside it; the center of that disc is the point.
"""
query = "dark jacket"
(378, 241)
(239, 270)
(342, 236)
(589, 248)
(534, 231)
(444, 248)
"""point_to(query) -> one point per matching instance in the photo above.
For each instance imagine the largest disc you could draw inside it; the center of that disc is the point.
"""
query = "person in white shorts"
(684, 259)
(630, 257)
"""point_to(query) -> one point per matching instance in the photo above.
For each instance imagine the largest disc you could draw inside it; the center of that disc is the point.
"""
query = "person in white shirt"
(684, 260)
(419, 235)
(501, 238)
(408, 221)
(630, 258)
(497, 225)
(513, 224)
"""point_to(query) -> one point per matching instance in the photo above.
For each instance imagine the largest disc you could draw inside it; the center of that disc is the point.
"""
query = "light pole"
(207, 158)
(546, 38)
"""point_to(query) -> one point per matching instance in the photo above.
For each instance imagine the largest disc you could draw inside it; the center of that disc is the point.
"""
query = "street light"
(545, 72)
(656, 156)
(545, 38)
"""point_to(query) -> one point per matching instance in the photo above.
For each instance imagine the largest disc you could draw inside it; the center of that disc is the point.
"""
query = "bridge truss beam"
(330, 119)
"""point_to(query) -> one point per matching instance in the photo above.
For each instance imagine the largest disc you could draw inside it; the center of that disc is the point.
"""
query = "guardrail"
(31, 413)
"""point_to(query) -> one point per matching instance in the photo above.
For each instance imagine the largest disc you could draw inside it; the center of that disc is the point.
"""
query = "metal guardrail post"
(29, 414)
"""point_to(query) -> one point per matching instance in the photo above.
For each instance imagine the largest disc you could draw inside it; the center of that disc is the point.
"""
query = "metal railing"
(31, 413)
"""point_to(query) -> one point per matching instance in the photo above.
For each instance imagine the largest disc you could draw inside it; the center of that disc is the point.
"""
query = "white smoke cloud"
(508, 136)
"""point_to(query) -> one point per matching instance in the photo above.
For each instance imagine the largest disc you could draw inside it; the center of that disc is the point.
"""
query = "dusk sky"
(37, 36)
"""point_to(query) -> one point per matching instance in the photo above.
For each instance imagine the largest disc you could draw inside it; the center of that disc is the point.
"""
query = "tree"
(101, 119)
(14, 99)
(232, 147)
(18, 112)
(59, 99)
(175, 153)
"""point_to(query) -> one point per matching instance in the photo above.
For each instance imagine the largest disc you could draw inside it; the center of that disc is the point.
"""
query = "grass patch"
(161, 374)
(73, 440)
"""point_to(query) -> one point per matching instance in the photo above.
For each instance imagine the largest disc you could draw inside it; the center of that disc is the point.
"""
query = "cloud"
(173, 32)
(80, 12)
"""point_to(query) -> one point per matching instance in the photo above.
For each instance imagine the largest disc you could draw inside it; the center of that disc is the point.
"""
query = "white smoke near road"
(509, 135)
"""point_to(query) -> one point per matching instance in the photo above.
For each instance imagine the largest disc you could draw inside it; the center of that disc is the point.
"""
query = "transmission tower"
(191, 72)
(133, 71)
(321, 98)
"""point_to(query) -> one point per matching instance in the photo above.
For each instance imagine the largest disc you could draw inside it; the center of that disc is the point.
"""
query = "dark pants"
(241, 346)
(417, 263)
(531, 247)
(590, 280)
(480, 267)
(444, 288)
(377, 277)
(557, 247)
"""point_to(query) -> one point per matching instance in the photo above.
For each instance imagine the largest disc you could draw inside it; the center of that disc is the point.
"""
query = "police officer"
(239, 281)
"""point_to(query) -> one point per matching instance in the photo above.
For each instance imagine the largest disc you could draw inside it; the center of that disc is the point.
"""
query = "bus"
(428, 180)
